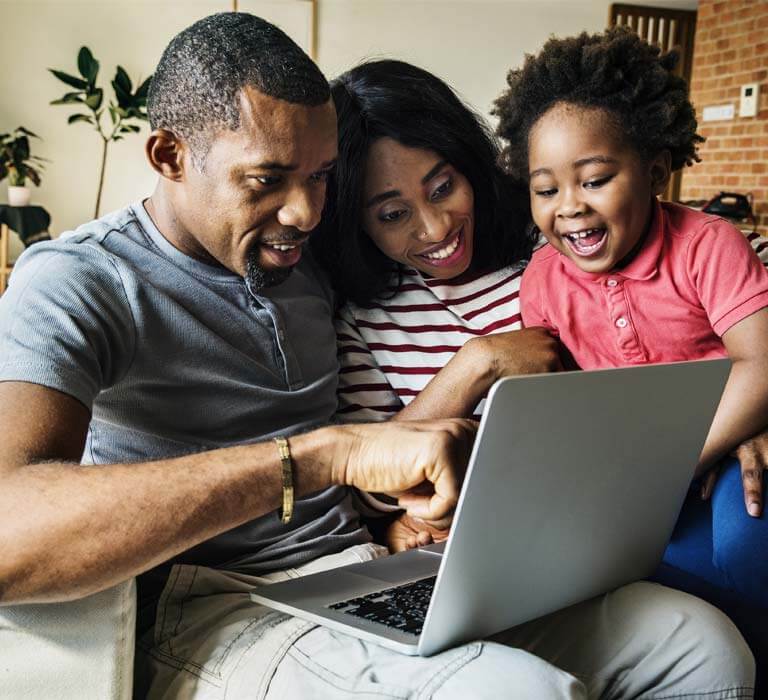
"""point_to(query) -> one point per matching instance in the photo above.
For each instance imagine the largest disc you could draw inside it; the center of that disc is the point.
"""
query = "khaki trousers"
(640, 641)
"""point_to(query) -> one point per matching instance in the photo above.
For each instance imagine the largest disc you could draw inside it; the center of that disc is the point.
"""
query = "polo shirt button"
(611, 283)
(621, 322)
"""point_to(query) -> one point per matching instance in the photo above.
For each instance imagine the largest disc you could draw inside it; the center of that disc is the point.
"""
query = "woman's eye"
(443, 188)
(389, 216)
(321, 176)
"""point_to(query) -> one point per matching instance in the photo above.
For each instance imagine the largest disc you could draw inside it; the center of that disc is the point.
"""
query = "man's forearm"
(68, 530)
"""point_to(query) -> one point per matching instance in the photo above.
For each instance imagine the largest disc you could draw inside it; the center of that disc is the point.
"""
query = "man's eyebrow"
(396, 193)
(288, 167)
(576, 164)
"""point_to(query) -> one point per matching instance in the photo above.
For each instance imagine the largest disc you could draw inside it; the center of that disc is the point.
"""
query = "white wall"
(470, 43)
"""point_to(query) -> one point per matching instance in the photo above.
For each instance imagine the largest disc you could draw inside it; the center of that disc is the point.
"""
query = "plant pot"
(19, 196)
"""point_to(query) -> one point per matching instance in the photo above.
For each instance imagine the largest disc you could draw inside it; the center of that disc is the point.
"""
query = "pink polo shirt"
(695, 277)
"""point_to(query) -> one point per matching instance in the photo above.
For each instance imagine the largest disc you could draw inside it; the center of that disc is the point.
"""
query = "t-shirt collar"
(646, 262)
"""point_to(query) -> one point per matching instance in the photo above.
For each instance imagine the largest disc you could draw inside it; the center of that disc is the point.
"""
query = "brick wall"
(731, 48)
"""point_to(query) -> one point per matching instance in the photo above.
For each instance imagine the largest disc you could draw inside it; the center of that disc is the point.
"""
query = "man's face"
(261, 189)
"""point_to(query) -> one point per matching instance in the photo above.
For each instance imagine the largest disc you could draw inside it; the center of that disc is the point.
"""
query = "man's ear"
(165, 153)
(661, 171)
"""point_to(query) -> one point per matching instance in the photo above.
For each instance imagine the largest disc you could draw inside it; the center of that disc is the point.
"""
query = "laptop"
(573, 488)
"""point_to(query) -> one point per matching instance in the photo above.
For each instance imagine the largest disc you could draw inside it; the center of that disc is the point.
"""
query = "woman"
(425, 240)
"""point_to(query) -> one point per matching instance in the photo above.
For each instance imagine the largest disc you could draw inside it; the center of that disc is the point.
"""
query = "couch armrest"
(75, 650)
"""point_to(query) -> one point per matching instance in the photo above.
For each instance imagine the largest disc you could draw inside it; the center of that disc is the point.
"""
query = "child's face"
(591, 192)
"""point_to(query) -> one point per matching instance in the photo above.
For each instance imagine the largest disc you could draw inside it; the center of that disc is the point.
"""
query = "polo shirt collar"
(645, 264)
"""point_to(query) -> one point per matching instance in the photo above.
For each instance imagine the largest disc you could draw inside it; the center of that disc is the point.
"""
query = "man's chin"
(259, 278)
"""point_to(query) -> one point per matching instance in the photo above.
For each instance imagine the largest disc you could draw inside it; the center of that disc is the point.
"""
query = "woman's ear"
(660, 171)
(165, 153)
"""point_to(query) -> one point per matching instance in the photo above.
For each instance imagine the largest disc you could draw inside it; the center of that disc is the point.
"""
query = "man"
(164, 340)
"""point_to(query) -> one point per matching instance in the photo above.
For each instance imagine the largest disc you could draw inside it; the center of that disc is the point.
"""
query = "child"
(597, 124)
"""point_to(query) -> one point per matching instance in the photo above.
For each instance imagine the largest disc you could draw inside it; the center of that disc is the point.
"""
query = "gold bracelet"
(287, 467)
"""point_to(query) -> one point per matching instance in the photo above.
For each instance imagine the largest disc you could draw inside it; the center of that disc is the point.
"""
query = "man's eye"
(389, 216)
(266, 180)
(443, 189)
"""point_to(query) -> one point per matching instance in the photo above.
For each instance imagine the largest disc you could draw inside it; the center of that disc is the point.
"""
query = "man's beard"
(258, 278)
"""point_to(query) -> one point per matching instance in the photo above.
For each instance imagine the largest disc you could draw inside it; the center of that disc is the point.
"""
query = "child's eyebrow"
(592, 160)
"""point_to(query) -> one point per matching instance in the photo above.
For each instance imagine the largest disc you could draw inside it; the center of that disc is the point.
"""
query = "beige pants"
(641, 641)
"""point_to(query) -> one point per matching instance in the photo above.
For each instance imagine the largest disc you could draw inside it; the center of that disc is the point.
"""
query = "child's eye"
(545, 193)
(443, 189)
(390, 216)
(598, 182)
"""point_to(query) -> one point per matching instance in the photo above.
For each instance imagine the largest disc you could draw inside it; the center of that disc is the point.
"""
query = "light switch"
(749, 98)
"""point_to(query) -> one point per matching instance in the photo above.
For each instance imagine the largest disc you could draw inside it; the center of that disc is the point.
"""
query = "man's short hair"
(195, 89)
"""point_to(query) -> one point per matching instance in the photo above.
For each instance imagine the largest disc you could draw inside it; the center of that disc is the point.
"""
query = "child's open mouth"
(586, 242)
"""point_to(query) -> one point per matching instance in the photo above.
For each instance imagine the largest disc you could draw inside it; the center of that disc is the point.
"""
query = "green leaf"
(22, 130)
(69, 79)
(132, 128)
(79, 118)
(122, 79)
(143, 90)
(94, 99)
(69, 98)
(87, 65)
(112, 113)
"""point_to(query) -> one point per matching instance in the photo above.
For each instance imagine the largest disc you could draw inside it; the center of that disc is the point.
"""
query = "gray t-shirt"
(175, 356)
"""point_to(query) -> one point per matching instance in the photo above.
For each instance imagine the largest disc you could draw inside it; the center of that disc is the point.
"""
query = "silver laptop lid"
(573, 488)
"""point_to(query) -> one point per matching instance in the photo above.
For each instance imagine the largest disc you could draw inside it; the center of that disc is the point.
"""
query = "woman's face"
(418, 209)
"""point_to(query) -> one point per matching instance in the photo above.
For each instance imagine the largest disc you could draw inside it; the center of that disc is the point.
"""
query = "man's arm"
(68, 530)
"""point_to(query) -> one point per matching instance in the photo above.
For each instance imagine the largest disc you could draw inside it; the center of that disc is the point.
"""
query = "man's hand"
(407, 532)
(421, 463)
(753, 457)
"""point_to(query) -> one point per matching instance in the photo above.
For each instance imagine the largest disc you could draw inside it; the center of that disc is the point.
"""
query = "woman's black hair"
(616, 71)
(394, 99)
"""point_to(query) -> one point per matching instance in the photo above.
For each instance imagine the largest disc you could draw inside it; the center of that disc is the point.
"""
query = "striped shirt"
(391, 348)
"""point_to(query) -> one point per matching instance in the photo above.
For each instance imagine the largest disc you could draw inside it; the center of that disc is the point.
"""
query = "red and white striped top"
(391, 348)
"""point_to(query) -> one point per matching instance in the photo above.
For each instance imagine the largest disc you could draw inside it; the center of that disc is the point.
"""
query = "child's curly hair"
(616, 71)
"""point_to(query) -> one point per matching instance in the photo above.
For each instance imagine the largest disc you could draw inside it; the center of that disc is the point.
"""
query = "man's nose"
(302, 209)
(435, 225)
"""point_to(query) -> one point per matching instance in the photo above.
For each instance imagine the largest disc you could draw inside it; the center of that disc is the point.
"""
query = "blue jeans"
(720, 542)
(720, 553)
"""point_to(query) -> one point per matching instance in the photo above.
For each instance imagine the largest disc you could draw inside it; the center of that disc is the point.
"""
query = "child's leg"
(739, 541)
(720, 542)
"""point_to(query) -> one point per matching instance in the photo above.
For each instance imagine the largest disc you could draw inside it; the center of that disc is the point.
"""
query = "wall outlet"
(717, 113)
(749, 97)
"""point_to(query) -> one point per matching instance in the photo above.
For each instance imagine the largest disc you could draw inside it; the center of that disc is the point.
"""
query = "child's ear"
(660, 171)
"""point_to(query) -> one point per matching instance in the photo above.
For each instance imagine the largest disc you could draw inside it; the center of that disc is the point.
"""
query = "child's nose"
(571, 204)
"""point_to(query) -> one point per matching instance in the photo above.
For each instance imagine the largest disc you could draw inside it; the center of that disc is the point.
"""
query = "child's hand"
(753, 458)
(407, 532)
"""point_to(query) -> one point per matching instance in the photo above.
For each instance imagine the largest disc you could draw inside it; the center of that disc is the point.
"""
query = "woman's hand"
(526, 351)
(407, 532)
(753, 458)
(465, 380)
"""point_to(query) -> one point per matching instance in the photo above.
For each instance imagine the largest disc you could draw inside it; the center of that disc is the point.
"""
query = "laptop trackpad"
(405, 566)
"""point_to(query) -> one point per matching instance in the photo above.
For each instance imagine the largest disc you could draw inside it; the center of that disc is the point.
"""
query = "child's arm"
(743, 410)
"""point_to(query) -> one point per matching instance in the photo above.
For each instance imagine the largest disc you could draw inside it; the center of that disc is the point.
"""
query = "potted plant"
(18, 165)
(126, 111)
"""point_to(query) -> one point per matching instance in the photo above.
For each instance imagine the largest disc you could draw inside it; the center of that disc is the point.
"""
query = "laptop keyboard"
(402, 607)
